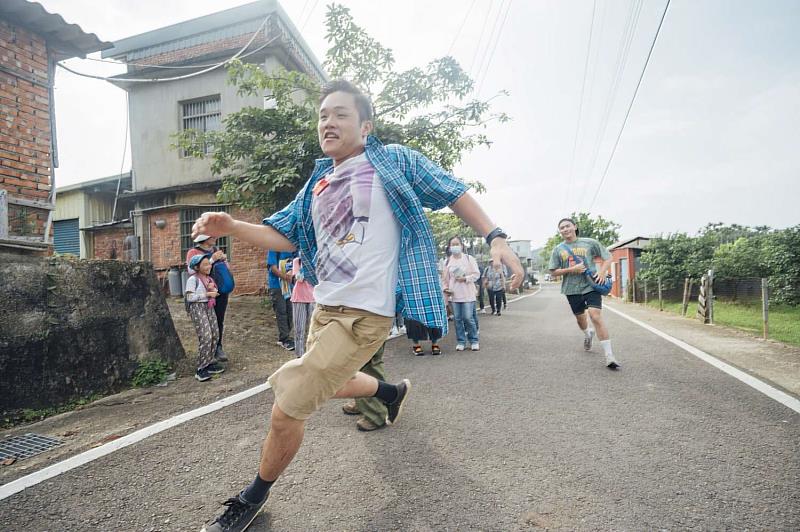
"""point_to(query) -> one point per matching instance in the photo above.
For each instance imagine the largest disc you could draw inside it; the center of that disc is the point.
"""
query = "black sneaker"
(220, 355)
(237, 516)
(288, 345)
(396, 408)
(215, 368)
(202, 374)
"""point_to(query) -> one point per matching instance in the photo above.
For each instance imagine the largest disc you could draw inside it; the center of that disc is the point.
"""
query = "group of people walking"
(362, 206)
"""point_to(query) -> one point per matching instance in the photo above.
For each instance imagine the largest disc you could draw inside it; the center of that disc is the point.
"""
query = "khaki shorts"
(340, 341)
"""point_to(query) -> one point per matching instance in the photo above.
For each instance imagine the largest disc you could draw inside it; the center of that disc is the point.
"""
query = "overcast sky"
(713, 134)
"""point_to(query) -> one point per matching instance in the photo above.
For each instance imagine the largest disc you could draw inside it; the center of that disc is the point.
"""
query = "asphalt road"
(529, 433)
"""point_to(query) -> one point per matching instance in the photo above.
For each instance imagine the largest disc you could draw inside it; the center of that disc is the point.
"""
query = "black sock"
(257, 490)
(386, 392)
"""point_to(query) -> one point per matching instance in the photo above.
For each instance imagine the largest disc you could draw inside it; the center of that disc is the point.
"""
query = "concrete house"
(167, 190)
(32, 41)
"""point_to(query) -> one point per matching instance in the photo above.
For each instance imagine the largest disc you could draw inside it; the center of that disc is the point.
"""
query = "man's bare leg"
(602, 333)
(281, 444)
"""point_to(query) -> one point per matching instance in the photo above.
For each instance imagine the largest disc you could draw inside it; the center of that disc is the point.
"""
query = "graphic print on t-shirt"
(343, 206)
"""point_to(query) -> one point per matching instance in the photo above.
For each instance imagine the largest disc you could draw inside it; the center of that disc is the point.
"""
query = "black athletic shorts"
(580, 302)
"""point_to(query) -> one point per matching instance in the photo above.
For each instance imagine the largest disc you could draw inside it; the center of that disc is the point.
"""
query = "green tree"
(265, 155)
(781, 256)
(742, 258)
(599, 228)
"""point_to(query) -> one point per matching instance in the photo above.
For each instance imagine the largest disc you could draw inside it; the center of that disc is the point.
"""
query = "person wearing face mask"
(460, 273)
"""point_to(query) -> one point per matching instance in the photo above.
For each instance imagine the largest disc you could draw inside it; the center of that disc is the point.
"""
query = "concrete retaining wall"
(71, 328)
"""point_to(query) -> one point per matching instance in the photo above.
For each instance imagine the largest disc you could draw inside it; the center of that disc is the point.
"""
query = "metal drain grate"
(27, 445)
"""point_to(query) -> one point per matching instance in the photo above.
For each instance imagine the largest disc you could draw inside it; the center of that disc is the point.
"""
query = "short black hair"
(570, 220)
(363, 103)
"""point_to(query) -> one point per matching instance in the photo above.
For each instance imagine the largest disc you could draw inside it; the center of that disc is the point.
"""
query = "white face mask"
(455, 250)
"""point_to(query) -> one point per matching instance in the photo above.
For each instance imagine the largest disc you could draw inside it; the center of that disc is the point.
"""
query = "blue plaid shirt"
(411, 182)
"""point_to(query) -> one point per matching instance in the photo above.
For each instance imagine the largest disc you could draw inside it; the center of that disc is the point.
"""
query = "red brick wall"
(108, 242)
(24, 126)
(199, 50)
(247, 262)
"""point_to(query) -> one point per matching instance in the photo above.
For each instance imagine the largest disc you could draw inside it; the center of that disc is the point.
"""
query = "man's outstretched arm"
(222, 224)
(471, 212)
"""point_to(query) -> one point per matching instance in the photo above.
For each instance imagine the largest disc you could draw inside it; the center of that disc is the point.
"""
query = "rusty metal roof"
(64, 40)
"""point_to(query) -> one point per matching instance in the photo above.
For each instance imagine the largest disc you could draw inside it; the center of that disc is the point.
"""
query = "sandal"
(417, 350)
(435, 349)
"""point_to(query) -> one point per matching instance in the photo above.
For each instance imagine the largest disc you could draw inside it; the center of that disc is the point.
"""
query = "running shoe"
(237, 516)
(396, 408)
(587, 341)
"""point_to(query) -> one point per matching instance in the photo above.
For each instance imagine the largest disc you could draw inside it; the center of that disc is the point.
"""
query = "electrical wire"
(480, 39)
(489, 41)
(580, 109)
(185, 76)
(166, 67)
(619, 68)
(308, 17)
(630, 106)
(498, 35)
(124, 153)
(461, 27)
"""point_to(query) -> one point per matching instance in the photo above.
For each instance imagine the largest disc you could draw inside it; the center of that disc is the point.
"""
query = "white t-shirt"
(358, 239)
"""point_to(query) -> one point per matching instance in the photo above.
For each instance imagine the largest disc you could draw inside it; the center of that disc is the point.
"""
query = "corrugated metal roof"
(65, 40)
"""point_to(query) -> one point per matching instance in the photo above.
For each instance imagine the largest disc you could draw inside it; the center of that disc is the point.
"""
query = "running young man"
(361, 201)
(576, 286)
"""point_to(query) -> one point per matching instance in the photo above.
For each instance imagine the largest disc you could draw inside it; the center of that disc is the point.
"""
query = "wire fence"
(747, 303)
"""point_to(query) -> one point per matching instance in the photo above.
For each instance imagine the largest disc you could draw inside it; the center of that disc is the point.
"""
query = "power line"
(580, 107)
(620, 66)
(308, 17)
(480, 38)
(628, 112)
(124, 153)
(460, 28)
(488, 45)
(174, 67)
(185, 76)
(494, 46)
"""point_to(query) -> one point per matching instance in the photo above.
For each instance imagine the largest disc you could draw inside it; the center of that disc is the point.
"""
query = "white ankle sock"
(588, 331)
(606, 345)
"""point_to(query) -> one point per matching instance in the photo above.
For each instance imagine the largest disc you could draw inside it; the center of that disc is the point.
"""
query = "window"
(188, 217)
(202, 115)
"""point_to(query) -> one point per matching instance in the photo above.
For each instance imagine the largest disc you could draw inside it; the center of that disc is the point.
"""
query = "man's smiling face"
(340, 128)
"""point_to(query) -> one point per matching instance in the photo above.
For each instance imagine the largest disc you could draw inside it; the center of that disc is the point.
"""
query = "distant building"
(32, 41)
(626, 265)
(82, 225)
(167, 191)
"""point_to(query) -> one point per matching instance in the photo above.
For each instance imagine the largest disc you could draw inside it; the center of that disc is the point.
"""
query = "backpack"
(604, 287)
(223, 277)
(221, 273)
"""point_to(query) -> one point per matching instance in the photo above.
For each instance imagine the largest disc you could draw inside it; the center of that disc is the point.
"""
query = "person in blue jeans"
(460, 273)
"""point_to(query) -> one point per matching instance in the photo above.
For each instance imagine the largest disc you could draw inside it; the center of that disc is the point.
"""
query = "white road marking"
(771, 392)
(7, 490)
(526, 295)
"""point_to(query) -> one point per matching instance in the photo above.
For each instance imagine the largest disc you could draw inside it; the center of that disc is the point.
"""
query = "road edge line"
(15, 486)
(757, 384)
(526, 295)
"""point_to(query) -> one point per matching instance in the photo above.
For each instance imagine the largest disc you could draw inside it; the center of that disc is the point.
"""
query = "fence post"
(765, 306)
(660, 301)
(685, 301)
(645, 292)
(710, 296)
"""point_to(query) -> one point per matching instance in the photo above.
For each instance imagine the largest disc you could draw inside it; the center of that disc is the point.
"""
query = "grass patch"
(150, 373)
(31, 415)
(784, 320)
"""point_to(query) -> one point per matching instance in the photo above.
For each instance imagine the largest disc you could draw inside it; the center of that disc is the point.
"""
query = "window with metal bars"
(188, 217)
(202, 115)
